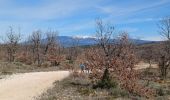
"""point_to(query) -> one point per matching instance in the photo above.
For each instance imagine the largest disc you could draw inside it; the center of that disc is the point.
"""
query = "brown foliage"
(24, 57)
(55, 60)
(120, 64)
(53, 57)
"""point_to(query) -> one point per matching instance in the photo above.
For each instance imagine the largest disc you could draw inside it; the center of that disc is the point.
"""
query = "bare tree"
(74, 50)
(104, 33)
(164, 61)
(36, 38)
(51, 40)
(12, 43)
(116, 59)
(120, 66)
(164, 27)
(52, 48)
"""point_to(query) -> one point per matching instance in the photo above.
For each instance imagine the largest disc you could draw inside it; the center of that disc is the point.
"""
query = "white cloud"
(43, 11)
(123, 13)
(48, 9)
(30, 17)
(138, 20)
(75, 27)
(118, 10)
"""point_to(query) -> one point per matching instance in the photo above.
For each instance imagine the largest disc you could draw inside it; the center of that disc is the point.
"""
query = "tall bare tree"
(52, 48)
(164, 61)
(12, 43)
(51, 40)
(36, 38)
(104, 33)
(164, 27)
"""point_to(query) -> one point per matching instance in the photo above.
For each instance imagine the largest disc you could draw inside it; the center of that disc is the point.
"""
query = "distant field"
(143, 65)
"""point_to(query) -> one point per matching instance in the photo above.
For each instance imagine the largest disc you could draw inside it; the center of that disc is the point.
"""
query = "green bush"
(70, 61)
(18, 63)
(160, 92)
(106, 81)
(168, 92)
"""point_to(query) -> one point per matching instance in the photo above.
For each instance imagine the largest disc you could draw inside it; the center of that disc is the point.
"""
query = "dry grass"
(143, 65)
(7, 68)
(78, 88)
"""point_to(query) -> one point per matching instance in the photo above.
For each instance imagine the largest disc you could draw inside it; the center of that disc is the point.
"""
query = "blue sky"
(77, 17)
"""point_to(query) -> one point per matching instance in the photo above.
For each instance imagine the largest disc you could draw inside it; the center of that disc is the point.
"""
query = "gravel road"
(27, 86)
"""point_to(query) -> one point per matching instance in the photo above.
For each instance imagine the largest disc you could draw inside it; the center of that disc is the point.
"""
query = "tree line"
(112, 58)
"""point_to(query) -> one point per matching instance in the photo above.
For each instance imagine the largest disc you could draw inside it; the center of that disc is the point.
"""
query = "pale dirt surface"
(143, 65)
(27, 86)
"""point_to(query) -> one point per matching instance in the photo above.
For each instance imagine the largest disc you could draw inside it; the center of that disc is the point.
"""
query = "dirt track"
(29, 85)
(143, 65)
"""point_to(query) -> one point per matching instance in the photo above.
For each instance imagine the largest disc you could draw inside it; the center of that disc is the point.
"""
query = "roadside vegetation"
(80, 88)
(110, 65)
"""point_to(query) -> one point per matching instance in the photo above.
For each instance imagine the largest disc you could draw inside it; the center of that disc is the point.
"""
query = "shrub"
(46, 64)
(106, 81)
(86, 91)
(162, 98)
(118, 92)
(18, 63)
(70, 61)
(160, 92)
(168, 92)
(120, 64)
(29, 62)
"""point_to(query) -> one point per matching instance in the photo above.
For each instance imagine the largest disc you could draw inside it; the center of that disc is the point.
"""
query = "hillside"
(68, 41)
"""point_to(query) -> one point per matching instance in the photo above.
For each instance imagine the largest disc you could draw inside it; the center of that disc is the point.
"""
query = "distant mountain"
(140, 42)
(68, 41)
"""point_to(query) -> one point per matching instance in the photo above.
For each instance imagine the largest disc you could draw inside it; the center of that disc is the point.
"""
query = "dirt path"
(143, 65)
(29, 85)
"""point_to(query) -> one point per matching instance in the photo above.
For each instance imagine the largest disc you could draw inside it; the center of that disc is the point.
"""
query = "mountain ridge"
(69, 41)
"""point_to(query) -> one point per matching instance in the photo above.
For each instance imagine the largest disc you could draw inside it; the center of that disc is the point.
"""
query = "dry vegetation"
(113, 73)
(111, 64)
